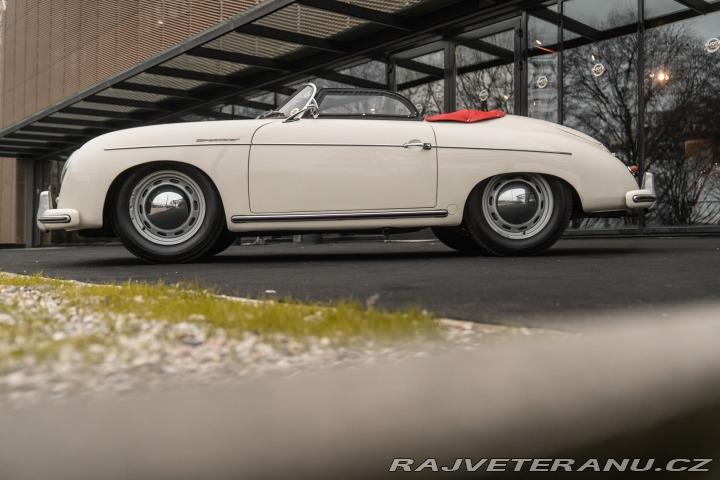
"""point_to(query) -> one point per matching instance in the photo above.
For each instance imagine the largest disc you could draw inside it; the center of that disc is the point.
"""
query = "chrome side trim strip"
(207, 144)
(392, 145)
(384, 145)
(503, 150)
(174, 145)
(54, 219)
(425, 146)
(315, 217)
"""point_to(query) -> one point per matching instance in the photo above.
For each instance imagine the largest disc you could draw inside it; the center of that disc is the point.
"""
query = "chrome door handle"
(425, 146)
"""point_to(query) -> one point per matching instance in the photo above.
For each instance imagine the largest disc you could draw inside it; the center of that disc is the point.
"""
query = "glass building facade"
(641, 76)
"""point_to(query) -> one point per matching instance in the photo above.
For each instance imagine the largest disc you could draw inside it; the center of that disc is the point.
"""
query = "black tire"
(168, 213)
(518, 214)
(226, 239)
(458, 238)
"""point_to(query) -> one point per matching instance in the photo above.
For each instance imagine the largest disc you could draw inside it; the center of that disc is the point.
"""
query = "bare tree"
(429, 97)
(681, 113)
(682, 125)
(600, 96)
(487, 89)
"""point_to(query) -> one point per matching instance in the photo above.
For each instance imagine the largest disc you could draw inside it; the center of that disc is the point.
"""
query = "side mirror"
(312, 109)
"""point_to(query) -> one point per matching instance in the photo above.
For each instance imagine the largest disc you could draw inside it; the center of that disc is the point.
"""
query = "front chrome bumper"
(54, 218)
(645, 197)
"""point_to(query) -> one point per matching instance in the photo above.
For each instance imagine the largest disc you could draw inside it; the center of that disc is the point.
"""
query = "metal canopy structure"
(276, 44)
(259, 51)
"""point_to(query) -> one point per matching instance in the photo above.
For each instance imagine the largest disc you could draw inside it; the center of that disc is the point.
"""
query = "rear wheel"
(168, 213)
(518, 214)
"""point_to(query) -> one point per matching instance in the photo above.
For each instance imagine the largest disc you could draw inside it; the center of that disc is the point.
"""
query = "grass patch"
(43, 317)
(340, 322)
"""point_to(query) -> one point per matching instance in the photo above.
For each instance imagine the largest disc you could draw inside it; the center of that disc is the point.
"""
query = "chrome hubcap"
(518, 206)
(167, 207)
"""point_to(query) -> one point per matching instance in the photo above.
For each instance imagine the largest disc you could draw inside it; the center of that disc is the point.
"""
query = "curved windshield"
(353, 103)
(299, 100)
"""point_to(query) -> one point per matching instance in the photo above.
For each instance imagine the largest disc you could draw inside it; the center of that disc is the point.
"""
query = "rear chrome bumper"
(54, 218)
(645, 197)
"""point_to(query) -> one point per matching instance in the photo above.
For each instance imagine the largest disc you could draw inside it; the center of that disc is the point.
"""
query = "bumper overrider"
(55, 218)
(645, 197)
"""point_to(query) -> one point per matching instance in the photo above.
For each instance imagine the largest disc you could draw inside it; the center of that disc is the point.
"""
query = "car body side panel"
(219, 149)
(462, 169)
(366, 168)
(315, 165)
(223, 164)
(470, 153)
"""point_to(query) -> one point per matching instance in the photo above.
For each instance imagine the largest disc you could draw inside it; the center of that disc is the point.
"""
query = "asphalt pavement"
(578, 282)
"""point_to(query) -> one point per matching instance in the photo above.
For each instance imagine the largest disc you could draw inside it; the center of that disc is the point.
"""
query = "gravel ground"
(134, 355)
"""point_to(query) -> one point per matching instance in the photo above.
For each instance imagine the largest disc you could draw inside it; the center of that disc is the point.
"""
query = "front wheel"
(168, 213)
(518, 214)
(458, 238)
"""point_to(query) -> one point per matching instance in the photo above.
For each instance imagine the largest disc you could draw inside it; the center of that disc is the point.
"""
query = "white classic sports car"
(335, 160)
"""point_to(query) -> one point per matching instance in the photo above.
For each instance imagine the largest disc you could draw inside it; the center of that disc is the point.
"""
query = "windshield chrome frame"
(312, 96)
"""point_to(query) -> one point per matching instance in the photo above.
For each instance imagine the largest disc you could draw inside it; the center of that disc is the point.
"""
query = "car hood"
(222, 132)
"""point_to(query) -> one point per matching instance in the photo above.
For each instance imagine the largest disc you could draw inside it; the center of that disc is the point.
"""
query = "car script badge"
(215, 140)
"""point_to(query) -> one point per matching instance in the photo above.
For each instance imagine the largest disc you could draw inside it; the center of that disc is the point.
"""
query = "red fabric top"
(466, 116)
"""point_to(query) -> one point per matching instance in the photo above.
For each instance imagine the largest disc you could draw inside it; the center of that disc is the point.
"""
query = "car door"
(317, 165)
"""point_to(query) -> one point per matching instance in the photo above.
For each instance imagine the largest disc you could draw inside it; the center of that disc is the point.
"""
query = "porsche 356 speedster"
(334, 160)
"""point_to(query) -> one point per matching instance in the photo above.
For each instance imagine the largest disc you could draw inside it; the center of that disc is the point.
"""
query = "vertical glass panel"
(658, 8)
(682, 120)
(601, 15)
(600, 92)
(267, 98)
(373, 70)
(435, 59)
(542, 70)
(422, 80)
(250, 108)
(242, 111)
(486, 73)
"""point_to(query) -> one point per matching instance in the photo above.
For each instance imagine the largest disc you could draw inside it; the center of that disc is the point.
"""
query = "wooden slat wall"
(53, 49)
(12, 204)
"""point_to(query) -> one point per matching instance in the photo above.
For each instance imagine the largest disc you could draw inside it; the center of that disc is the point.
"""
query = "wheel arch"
(577, 206)
(125, 174)
(190, 226)
(510, 225)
